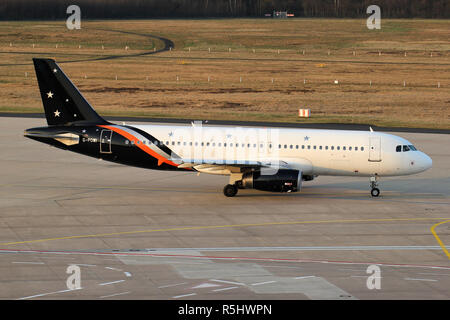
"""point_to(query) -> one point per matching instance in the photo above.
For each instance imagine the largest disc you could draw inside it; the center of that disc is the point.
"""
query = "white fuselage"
(313, 151)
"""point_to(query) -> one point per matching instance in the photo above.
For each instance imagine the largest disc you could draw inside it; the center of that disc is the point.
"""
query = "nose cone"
(424, 162)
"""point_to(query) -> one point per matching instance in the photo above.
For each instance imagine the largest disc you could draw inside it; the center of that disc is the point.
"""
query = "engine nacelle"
(284, 180)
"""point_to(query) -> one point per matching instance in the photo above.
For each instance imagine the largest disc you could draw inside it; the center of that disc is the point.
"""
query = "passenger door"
(375, 149)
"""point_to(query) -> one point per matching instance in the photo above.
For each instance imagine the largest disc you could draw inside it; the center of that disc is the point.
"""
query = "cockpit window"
(398, 149)
(412, 147)
(405, 148)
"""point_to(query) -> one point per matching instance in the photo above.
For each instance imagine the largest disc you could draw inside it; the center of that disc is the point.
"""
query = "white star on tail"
(49, 94)
(57, 113)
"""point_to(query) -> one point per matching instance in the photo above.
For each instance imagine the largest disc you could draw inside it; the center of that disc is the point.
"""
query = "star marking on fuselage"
(55, 71)
(57, 113)
(170, 134)
(49, 94)
(306, 138)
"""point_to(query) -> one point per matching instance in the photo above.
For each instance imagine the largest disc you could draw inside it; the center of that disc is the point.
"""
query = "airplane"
(274, 159)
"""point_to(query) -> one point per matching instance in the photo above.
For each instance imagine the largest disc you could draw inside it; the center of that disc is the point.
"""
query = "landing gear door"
(375, 149)
(105, 141)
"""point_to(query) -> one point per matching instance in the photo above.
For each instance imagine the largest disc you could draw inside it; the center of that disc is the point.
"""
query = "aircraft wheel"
(375, 192)
(230, 190)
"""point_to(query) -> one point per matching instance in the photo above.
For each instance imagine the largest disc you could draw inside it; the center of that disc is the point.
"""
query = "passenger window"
(338, 147)
(332, 147)
(326, 147)
(296, 146)
(270, 146)
(356, 148)
(291, 146)
(320, 147)
(343, 148)
(314, 147)
(285, 146)
(303, 146)
(350, 148)
(362, 148)
(405, 148)
(309, 147)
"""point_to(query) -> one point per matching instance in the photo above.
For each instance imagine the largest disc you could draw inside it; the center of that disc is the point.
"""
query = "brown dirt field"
(266, 54)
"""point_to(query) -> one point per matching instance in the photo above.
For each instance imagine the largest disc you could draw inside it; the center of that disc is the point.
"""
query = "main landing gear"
(375, 192)
(230, 190)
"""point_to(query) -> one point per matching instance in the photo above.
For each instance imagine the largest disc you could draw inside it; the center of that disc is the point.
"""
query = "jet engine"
(285, 180)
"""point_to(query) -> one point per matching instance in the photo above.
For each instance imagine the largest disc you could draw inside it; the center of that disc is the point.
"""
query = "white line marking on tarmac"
(110, 268)
(261, 283)
(127, 274)
(48, 293)
(434, 274)
(229, 282)
(304, 277)
(184, 295)
(115, 294)
(172, 285)
(113, 282)
(24, 262)
(85, 265)
(224, 289)
(412, 279)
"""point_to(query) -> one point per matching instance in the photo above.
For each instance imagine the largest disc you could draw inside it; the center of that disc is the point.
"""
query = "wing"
(226, 167)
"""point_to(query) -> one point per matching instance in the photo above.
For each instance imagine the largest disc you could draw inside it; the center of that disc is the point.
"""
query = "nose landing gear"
(375, 192)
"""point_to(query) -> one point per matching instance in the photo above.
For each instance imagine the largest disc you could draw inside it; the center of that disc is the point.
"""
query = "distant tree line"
(127, 9)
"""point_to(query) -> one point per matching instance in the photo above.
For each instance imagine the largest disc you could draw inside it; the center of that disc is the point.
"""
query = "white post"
(272, 80)
(370, 83)
(79, 46)
(26, 74)
(404, 83)
(278, 51)
(240, 79)
(439, 84)
(189, 49)
(379, 53)
(328, 52)
(253, 50)
(209, 50)
(229, 49)
(56, 46)
(405, 53)
(178, 78)
(304, 81)
(209, 79)
(116, 76)
(303, 52)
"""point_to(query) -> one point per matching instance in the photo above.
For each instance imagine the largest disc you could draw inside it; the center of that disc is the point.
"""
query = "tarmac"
(143, 234)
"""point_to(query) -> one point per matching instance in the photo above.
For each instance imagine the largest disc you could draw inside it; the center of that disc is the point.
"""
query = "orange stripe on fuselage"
(140, 145)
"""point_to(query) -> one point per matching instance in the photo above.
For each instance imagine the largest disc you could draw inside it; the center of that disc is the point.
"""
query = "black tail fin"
(63, 103)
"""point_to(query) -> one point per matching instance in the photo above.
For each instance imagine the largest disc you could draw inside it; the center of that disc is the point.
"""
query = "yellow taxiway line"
(438, 239)
(225, 226)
